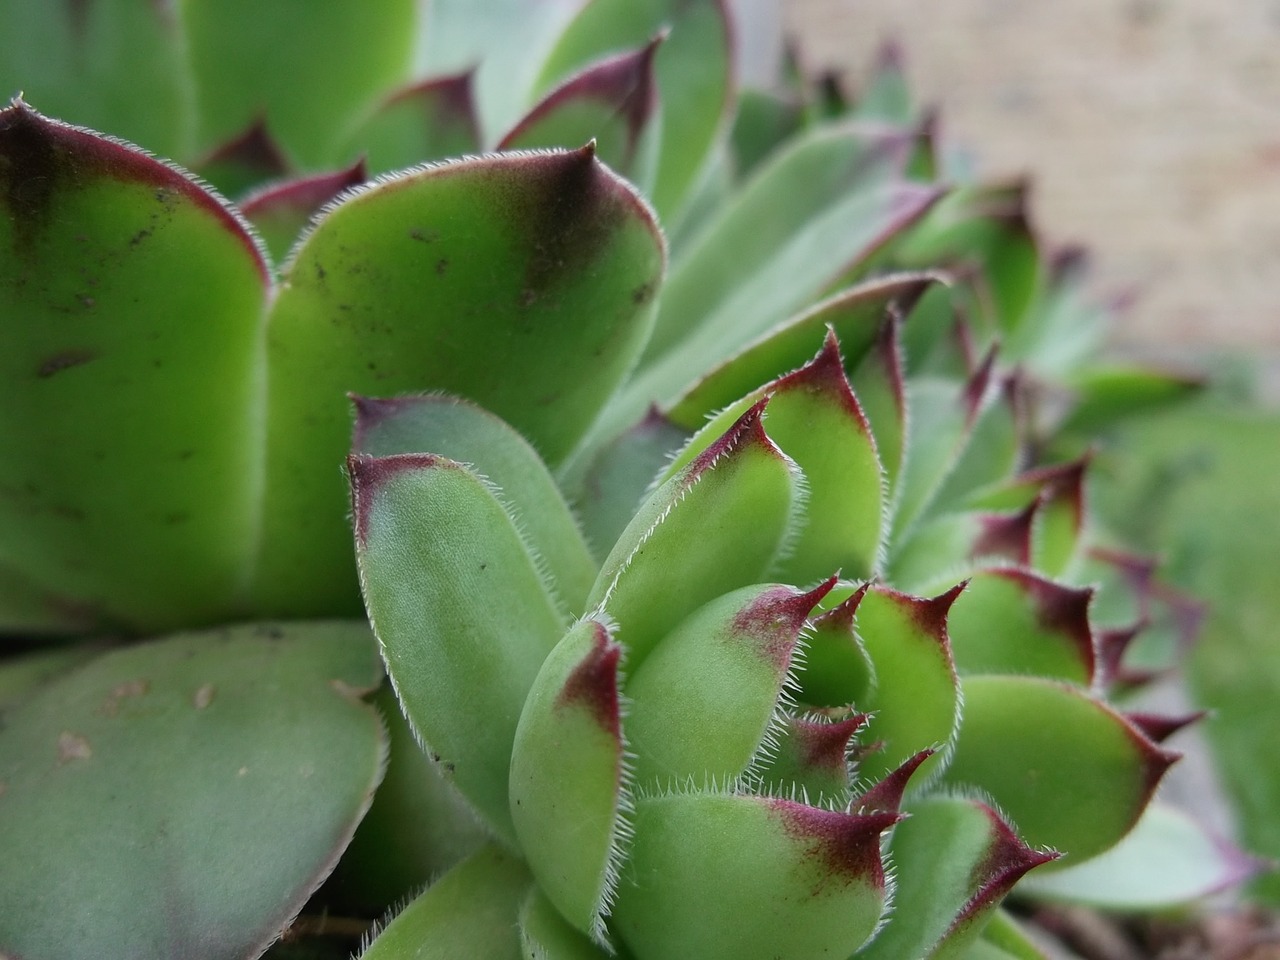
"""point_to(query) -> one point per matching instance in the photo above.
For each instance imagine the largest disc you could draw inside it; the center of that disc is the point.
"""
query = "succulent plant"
(837, 627)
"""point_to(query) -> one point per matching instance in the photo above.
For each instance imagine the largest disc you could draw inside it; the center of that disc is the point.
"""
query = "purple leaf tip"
(593, 684)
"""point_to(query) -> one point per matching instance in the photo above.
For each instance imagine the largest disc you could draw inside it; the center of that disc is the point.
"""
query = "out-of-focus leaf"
(1108, 394)
(129, 495)
(453, 595)
(136, 767)
(523, 282)
(279, 212)
(430, 120)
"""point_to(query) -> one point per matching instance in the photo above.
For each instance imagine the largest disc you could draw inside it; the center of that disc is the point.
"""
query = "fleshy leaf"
(469, 912)
(460, 610)
(279, 212)
(955, 860)
(277, 63)
(1106, 394)
(101, 247)
(1017, 622)
(721, 672)
(1167, 860)
(431, 120)
(812, 752)
(836, 669)
(468, 434)
(568, 788)
(789, 880)
(547, 260)
(544, 934)
(694, 76)
(136, 766)
(612, 102)
(719, 524)
(1072, 773)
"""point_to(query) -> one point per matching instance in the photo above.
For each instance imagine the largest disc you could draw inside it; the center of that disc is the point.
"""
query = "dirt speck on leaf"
(204, 696)
(64, 361)
(72, 746)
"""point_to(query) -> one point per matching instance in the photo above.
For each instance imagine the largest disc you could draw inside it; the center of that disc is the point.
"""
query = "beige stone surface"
(1152, 128)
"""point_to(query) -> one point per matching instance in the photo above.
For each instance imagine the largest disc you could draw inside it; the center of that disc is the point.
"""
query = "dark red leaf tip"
(593, 684)
(975, 390)
(886, 796)
(825, 376)
(824, 744)
(774, 619)
(747, 430)
(254, 150)
(844, 614)
(1007, 860)
(929, 614)
(368, 475)
(451, 94)
(1007, 535)
(845, 847)
(1059, 609)
(304, 195)
(1160, 727)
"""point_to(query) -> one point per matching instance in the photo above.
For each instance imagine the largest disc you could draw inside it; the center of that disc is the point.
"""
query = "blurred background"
(1151, 127)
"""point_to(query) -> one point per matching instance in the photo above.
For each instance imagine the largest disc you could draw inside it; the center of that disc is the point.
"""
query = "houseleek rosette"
(706, 750)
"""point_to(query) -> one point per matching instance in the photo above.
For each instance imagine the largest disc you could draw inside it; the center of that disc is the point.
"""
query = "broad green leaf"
(307, 68)
(25, 673)
(522, 282)
(1168, 860)
(706, 698)
(136, 766)
(461, 431)
(693, 68)
(460, 610)
(856, 315)
(97, 63)
(569, 786)
(789, 880)
(279, 212)
(613, 102)
(1012, 621)
(719, 524)
(955, 859)
(1106, 394)
(1073, 774)
(430, 120)
(131, 496)
(469, 912)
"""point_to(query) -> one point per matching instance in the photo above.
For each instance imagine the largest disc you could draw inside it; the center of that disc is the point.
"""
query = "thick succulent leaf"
(856, 316)
(418, 827)
(430, 120)
(469, 912)
(129, 494)
(460, 609)
(994, 448)
(568, 776)
(308, 69)
(719, 524)
(836, 669)
(954, 860)
(136, 768)
(613, 102)
(793, 227)
(1073, 774)
(621, 476)
(1056, 494)
(25, 673)
(1003, 938)
(279, 212)
(1106, 394)
(788, 880)
(812, 753)
(1064, 328)
(91, 63)
(545, 935)
(461, 431)
(1012, 621)
(694, 76)
(704, 701)
(1168, 860)
(519, 281)
(916, 701)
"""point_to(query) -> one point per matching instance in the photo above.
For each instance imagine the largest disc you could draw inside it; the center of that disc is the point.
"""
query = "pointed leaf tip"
(844, 614)
(825, 745)
(886, 795)
(775, 618)
(367, 475)
(1160, 727)
(846, 844)
(593, 683)
(1007, 535)
(1008, 860)
(748, 429)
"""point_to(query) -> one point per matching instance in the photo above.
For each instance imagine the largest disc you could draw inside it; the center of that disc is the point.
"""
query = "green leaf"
(522, 282)
(1168, 860)
(280, 211)
(812, 753)
(92, 64)
(460, 610)
(430, 120)
(136, 767)
(131, 495)
(1073, 774)
(469, 912)
(461, 431)
(704, 702)
(544, 934)
(954, 859)
(1106, 394)
(307, 68)
(719, 524)
(693, 69)
(569, 784)
(788, 880)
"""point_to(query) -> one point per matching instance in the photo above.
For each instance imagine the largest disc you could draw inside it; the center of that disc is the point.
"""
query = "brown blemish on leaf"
(204, 696)
(64, 361)
(123, 691)
(72, 746)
